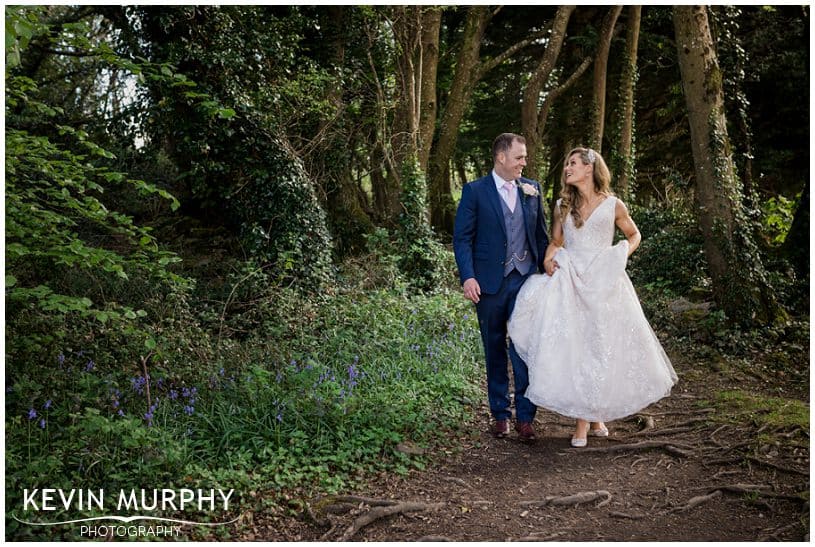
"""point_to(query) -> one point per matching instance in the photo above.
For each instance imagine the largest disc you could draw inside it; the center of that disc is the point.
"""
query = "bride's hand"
(550, 266)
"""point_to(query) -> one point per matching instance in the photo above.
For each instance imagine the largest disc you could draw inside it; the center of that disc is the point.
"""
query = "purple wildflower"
(32, 414)
(138, 384)
(47, 404)
(189, 409)
(42, 423)
(61, 359)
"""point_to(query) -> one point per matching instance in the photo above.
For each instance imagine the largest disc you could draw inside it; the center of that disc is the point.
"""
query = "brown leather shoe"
(525, 431)
(500, 429)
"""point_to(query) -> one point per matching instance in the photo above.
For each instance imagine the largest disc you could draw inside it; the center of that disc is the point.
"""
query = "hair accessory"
(592, 156)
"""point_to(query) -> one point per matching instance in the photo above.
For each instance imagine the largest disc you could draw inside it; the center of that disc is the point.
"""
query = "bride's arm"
(626, 224)
(549, 263)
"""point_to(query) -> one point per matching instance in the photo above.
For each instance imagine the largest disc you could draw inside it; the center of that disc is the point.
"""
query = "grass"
(773, 412)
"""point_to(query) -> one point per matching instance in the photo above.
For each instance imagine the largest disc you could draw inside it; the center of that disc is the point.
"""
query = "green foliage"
(281, 222)
(56, 221)
(777, 214)
(315, 408)
(422, 257)
(670, 255)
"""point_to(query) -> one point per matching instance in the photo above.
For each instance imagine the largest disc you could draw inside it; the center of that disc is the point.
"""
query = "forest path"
(685, 474)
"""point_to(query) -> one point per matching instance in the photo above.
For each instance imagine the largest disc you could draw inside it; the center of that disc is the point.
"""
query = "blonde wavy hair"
(570, 200)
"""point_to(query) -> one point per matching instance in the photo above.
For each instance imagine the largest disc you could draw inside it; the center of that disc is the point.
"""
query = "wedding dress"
(590, 350)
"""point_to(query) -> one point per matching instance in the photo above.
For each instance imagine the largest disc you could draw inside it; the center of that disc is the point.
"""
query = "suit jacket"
(479, 234)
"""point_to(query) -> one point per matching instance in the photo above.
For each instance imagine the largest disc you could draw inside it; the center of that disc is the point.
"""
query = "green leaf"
(150, 343)
(10, 280)
(102, 317)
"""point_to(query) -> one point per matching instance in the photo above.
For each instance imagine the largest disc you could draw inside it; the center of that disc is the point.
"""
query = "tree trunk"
(739, 282)
(431, 24)
(625, 152)
(442, 207)
(332, 158)
(534, 88)
(600, 71)
(407, 34)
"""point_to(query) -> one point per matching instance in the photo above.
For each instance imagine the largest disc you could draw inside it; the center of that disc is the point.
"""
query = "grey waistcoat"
(517, 246)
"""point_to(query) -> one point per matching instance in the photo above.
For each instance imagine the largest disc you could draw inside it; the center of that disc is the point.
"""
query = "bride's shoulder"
(619, 207)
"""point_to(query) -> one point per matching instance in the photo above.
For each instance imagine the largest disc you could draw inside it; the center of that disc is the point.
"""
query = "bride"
(580, 328)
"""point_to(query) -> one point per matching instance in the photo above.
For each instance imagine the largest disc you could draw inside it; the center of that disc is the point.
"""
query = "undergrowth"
(318, 407)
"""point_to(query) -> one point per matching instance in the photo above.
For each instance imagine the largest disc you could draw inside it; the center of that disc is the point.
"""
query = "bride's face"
(577, 172)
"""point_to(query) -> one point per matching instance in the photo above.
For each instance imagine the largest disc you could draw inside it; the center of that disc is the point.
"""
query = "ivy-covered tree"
(216, 117)
(739, 278)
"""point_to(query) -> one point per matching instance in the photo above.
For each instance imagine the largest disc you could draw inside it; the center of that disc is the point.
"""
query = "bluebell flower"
(47, 404)
(221, 372)
(121, 412)
(42, 423)
(61, 359)
(32, 414)
(138, 384)
(89, 365)
(188, 410)
(173, 395)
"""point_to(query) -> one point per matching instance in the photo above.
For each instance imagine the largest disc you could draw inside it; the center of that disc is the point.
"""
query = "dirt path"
(699, 478)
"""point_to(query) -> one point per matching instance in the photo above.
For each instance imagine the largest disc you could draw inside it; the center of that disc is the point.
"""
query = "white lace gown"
(590, 350)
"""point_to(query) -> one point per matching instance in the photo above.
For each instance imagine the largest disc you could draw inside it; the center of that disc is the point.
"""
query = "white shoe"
(602, 432)
(579, 443)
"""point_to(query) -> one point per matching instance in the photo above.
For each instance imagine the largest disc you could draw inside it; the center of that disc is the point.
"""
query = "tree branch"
(509, 52)
(555, 93)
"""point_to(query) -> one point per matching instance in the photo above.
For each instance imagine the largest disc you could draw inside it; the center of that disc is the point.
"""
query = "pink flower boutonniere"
(528, 189)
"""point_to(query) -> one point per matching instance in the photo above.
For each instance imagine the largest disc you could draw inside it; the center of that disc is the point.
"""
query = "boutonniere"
(528, 189)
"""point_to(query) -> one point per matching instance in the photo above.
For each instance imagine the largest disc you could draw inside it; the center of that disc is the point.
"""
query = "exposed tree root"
(775, 534)
(434, 538)
(674, 448)
(373, 502)
(537, 537)
(656, 432)
(679, 412)
(698, 500)
(384, 511)
(776, 466)
(574, 499)
(620, 515)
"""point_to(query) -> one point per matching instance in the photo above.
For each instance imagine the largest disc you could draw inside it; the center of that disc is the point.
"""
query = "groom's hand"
(472, 290)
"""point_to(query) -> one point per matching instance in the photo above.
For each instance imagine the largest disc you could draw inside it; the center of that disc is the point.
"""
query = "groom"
(499, 240)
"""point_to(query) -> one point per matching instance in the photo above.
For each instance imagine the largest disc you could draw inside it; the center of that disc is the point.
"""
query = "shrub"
(670, 255)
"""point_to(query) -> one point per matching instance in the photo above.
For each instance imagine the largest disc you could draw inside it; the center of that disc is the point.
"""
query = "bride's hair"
(570, 200)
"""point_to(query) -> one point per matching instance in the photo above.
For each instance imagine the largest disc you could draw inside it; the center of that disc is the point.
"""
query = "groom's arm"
(541, 238)
(464, 233)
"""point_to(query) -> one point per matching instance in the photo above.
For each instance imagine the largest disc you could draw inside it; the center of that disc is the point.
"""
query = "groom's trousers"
(494, 311)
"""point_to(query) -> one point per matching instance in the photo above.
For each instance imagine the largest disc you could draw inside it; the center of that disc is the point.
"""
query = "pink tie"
(508, 186)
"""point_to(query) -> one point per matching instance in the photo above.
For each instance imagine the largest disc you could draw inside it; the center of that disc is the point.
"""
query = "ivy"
(422, 256)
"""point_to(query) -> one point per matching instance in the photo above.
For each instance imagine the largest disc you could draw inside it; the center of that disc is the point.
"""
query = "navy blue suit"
(480, 246)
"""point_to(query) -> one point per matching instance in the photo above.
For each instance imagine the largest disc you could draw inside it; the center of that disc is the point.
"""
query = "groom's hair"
(503, 142)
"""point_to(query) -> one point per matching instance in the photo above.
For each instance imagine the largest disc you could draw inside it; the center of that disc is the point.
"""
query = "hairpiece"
(592, 156)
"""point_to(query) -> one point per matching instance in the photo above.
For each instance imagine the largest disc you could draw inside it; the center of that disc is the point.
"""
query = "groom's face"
(510, 164)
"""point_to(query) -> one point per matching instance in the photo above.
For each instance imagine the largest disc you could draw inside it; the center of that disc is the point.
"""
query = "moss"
(775, 412)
